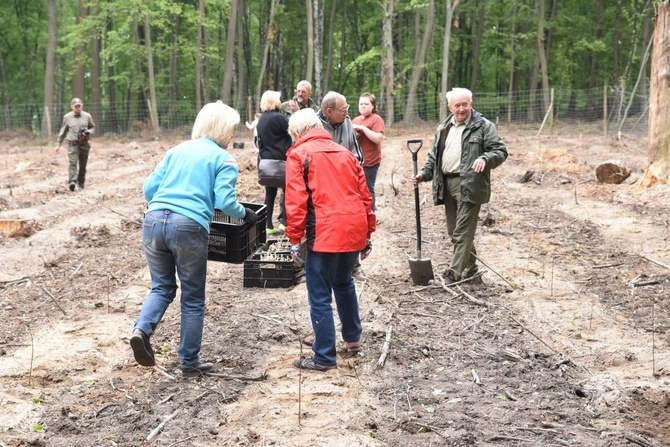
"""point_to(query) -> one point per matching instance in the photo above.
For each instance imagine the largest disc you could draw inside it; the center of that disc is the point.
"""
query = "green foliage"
(590, 43)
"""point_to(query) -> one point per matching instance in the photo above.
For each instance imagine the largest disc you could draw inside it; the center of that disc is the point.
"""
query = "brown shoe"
(447, 278)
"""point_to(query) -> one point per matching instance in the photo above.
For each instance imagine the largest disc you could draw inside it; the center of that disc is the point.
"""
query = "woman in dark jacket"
(273, 142)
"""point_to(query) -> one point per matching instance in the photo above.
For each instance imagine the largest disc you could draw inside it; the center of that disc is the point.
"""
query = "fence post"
(605, 130)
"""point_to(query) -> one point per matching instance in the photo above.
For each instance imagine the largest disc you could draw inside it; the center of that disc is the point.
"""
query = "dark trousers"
(270, 196)
(77, 154)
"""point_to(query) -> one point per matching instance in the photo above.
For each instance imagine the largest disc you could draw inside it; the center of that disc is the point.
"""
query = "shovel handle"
(412, 141)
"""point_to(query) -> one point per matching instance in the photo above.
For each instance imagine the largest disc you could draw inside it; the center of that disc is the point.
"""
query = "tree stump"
(612, 171)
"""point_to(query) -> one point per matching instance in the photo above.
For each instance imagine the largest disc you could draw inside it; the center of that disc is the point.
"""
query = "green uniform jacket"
(480, 140)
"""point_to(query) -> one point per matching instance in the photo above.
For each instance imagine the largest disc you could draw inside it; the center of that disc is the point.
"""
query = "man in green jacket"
(77, 128)
(466, 148)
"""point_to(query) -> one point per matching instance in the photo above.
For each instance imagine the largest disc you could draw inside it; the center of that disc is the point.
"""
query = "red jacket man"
(328, 202)
(327, 199)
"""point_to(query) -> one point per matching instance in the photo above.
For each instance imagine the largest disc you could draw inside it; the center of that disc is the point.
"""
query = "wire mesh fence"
(603, 111)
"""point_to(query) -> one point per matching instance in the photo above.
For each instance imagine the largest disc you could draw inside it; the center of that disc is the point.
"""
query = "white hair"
(458, 91)
(302, 121)
(215, 121)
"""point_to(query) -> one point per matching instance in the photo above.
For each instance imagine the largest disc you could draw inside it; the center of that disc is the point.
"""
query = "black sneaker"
(72, 185)
(144, 354)
(196, 370)
(80, 185)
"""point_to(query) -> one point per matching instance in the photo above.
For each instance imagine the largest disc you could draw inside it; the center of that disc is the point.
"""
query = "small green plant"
(37, 400)
(39, 428)
(573, 320)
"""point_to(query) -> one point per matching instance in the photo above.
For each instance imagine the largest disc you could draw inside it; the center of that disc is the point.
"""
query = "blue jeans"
(173, 242)
(370, 180)
(329, 274)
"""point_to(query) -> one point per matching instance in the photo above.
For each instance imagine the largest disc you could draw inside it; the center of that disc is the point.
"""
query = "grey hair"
(330, 100)
(303, 82)
(458, 91)
(302, 121)
(215, 121)
(270, 100)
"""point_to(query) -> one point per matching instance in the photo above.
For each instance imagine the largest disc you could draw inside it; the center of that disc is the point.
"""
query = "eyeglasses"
(345, 109)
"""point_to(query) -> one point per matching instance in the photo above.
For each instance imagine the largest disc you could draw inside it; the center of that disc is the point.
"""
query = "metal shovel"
(421, 269)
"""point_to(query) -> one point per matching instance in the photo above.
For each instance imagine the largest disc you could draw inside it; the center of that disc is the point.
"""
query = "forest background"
(147, 66)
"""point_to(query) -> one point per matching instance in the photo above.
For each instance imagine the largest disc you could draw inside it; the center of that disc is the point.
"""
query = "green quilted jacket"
(480, 140)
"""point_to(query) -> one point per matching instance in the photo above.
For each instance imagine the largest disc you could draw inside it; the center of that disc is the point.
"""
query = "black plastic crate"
(271, 267)
(234, 240)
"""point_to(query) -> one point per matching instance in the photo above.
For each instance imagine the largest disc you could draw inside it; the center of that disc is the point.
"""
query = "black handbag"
(272, 173)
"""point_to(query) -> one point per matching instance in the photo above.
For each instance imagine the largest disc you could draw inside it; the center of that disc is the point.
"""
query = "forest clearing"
(566, 343)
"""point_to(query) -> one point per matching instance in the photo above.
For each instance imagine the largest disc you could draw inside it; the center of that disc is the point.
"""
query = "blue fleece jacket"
(193, 179)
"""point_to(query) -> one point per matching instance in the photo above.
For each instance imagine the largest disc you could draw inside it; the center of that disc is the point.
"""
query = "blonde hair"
(215, 121)
(302, 121)
(270, 100)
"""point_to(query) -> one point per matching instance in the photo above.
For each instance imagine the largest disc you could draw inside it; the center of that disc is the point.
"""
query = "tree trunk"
(343, 45)
(476, 44)
(418, 68)
(199, 54)
(451, 6)
(659, 101)
(241, 72)
(5, 95)
(266, 49)
(112, 117)
(542, 58)
(331, 33)
(78, 79)
(388, 65)
(318, 48)
(153, 104)
(50, 70)
(230, 53)
(309, 75)
(95, 107)
(512, 62)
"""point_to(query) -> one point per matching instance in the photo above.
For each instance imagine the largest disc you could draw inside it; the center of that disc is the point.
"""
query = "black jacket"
(273, 137)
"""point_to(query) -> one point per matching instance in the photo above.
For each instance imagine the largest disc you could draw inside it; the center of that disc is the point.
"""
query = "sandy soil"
(565, 344)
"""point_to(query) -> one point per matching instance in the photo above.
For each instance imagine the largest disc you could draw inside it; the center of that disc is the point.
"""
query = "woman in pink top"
(369, 127)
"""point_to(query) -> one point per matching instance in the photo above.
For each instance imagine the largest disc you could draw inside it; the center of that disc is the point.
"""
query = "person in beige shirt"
(77, 128)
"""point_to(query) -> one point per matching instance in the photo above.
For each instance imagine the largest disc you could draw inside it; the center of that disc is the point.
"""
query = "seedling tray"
(233, 240)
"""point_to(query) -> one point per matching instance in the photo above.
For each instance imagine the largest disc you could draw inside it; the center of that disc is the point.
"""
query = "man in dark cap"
(77, 129)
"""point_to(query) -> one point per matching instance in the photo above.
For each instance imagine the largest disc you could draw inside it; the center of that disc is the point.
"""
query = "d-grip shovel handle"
(414, 152)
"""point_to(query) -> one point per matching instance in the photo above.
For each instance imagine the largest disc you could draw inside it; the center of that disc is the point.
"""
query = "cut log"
(612, 171)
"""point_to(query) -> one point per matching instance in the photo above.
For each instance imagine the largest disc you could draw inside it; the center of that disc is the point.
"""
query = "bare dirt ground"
(565, 344)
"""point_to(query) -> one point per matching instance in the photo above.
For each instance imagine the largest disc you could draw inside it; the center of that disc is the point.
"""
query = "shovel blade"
(421, 270)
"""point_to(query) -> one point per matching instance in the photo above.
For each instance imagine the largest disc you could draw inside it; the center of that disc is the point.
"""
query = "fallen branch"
(653, 261)
(385, 348)
(158, 429)
(473, 299)
(13, 282)
(606, 266)
(267, 318)
(262, 377)
(54, 300)
(162, 371)
(488, 267)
